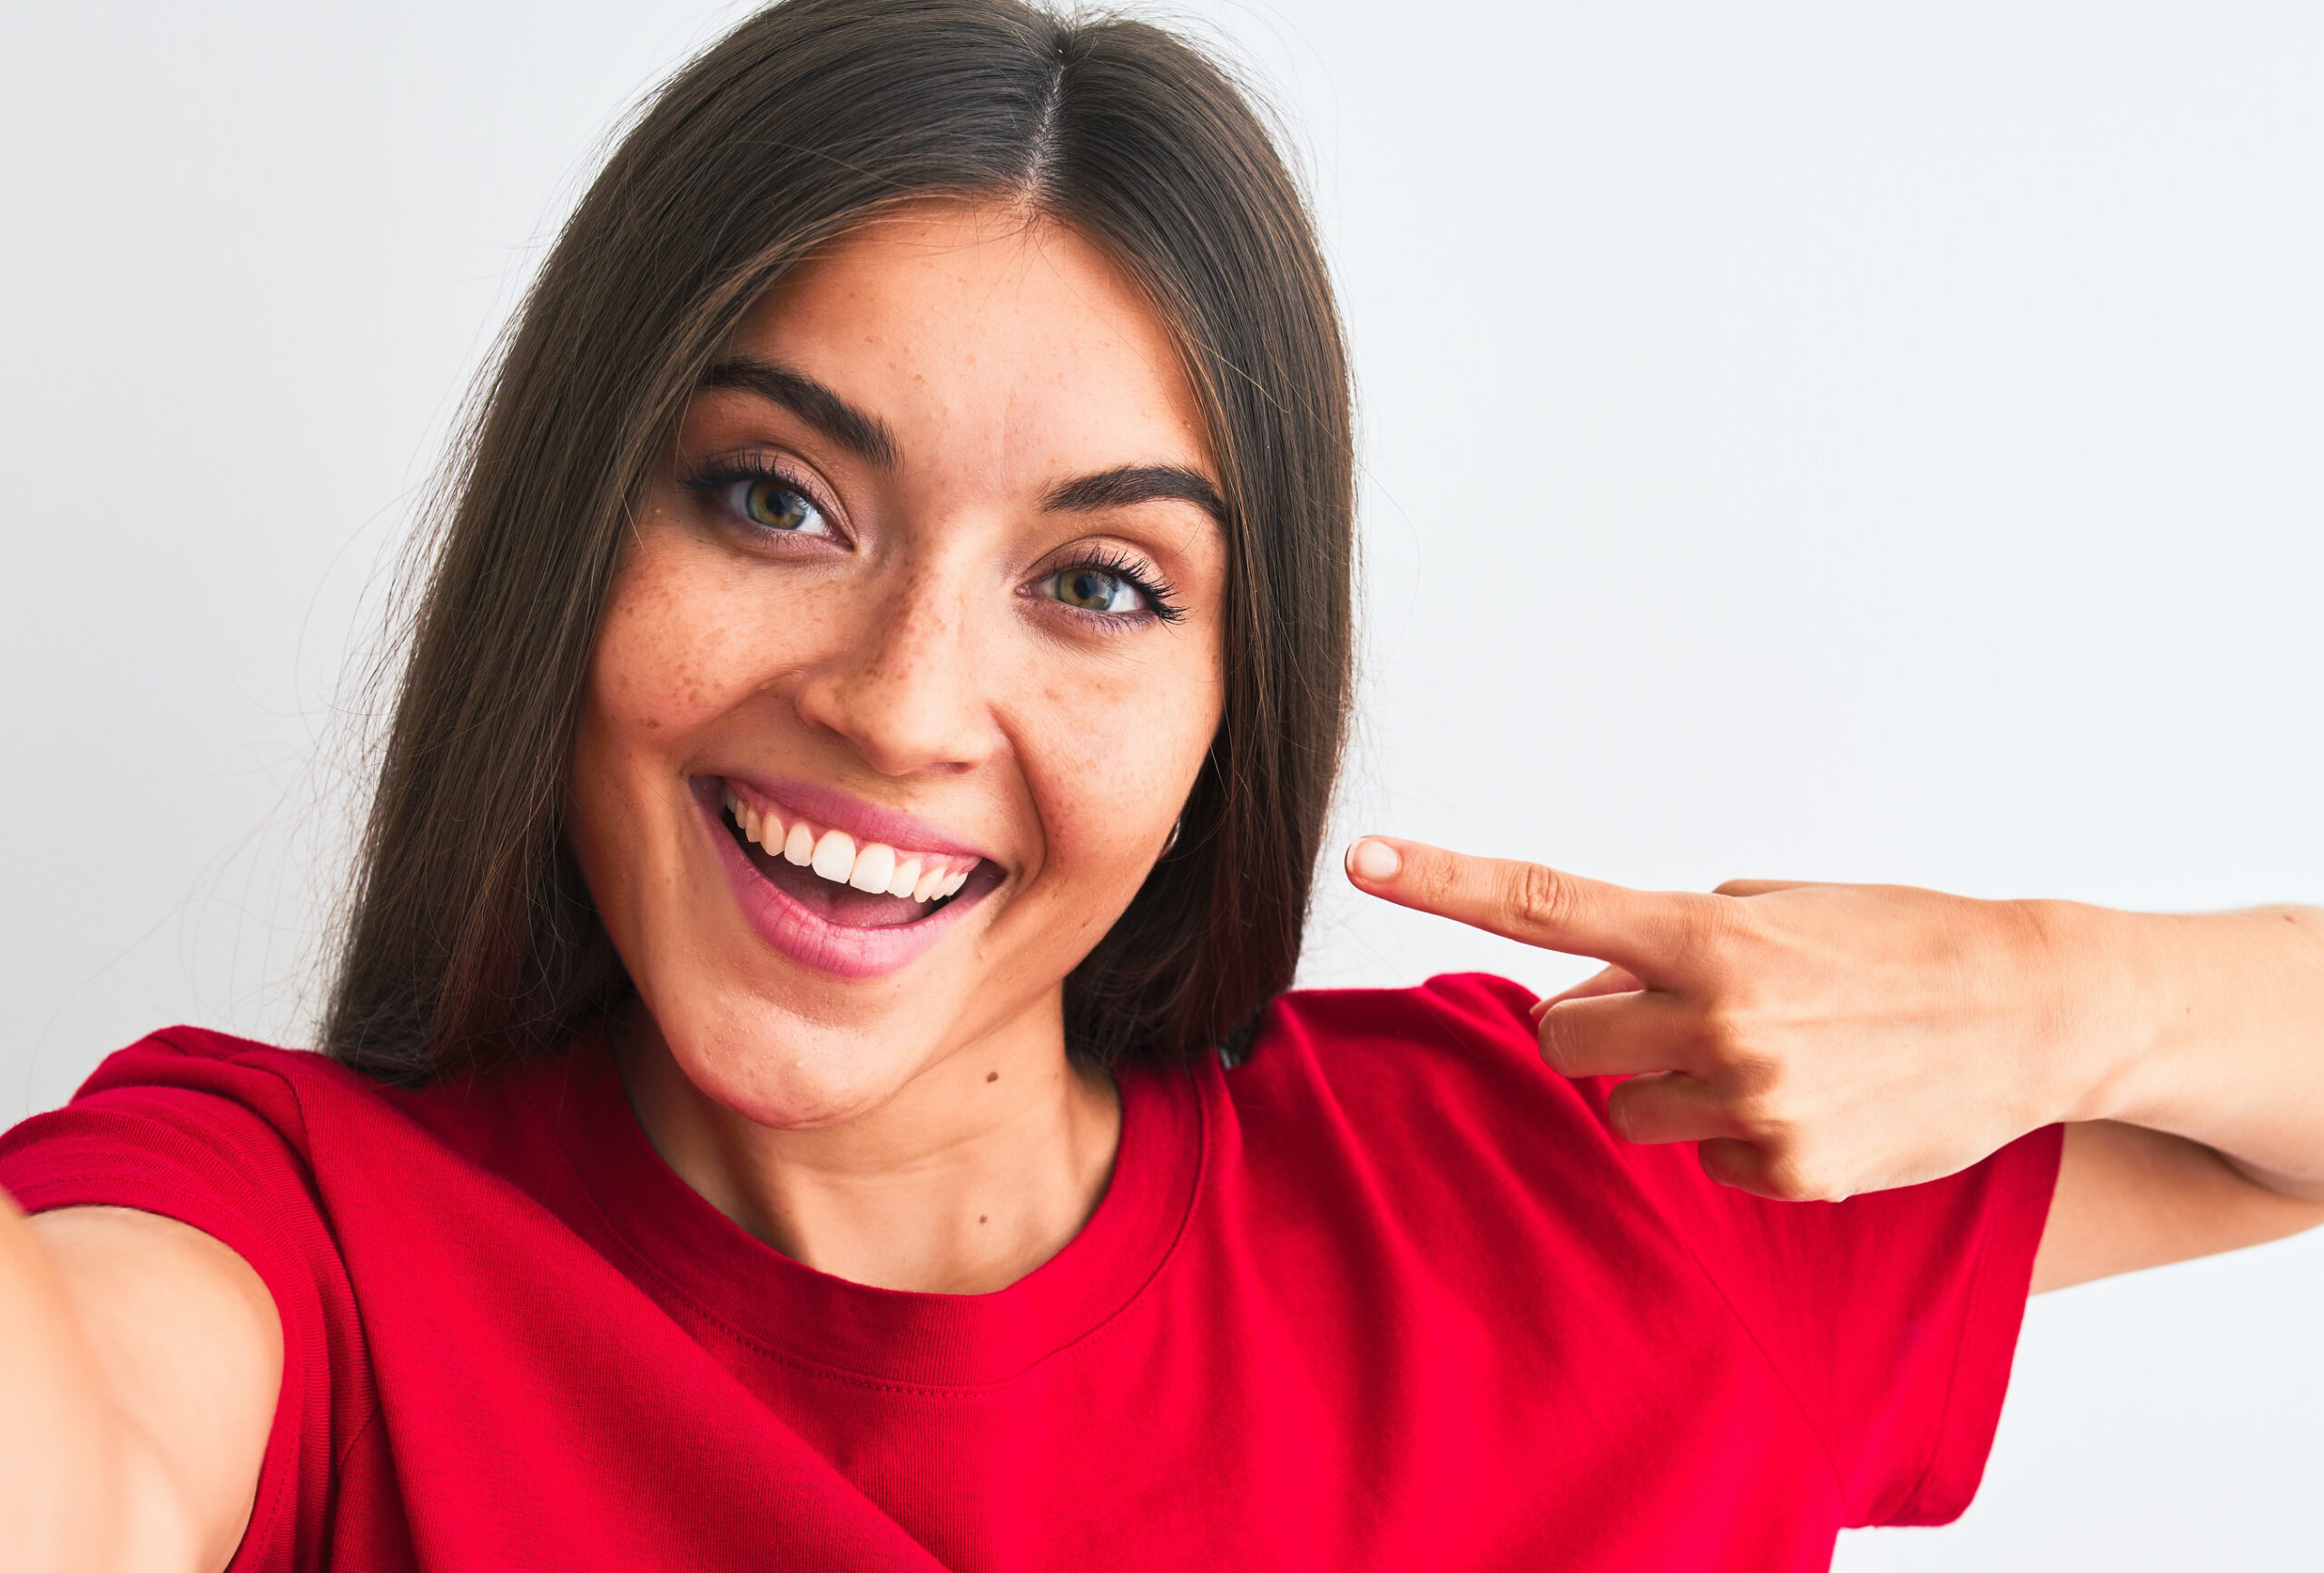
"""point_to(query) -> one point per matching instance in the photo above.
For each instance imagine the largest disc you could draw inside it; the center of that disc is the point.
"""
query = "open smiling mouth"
(856, 885)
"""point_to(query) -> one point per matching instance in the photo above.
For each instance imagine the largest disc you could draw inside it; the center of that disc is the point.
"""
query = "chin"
(778, 1068)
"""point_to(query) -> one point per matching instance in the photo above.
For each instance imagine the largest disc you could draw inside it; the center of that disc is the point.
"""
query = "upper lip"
(829, 809)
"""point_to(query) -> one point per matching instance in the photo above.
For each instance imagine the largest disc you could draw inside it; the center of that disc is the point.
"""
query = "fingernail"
(1374, 859)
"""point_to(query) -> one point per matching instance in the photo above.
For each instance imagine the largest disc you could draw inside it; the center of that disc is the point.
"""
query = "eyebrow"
(865, 436)
(1119, 488)
(868, 438)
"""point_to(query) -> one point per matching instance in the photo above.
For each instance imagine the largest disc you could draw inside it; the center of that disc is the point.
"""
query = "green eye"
(1111, 589)
(772, 505)
(1094, 589)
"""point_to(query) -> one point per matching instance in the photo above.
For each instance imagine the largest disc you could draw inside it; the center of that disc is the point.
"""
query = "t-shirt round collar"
(693, 1253)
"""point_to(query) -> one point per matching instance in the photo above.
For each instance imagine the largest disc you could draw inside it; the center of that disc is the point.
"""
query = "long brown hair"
(470, 936)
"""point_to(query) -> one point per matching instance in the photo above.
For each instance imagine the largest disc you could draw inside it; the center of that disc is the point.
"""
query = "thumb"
(1760, 887)
(1641, 932)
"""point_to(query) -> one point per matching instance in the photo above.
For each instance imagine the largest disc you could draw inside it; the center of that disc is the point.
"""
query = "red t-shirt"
(1385, 1296)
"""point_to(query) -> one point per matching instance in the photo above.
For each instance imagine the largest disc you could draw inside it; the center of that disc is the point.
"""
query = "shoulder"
(1460, 1012)
(198, 1059)
(1456, 1033)
(1481, 1000)
(190, 1107)
(1443, 1078)
(179, 1094)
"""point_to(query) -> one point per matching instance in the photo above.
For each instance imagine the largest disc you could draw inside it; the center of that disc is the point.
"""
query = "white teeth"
(835, 856)
(765, 829)
(875, 865)
(875, 868)
(753, 826)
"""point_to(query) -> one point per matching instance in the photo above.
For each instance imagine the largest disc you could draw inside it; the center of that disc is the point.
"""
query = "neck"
(970, 1175)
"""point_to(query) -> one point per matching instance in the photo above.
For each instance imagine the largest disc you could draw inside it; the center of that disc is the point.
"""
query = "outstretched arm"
(138, 1364)
(1819, 1040)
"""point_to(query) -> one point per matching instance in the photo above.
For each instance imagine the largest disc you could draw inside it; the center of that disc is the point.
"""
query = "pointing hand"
(1817, 1040)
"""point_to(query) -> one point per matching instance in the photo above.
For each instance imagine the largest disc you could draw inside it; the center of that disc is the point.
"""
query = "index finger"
(1650, 933)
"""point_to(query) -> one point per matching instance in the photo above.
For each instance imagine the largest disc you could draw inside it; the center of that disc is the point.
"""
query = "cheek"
(1112, 761)
(655, 676)
(667, 667)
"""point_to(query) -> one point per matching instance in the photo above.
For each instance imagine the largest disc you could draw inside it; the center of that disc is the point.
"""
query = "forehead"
(985, 340)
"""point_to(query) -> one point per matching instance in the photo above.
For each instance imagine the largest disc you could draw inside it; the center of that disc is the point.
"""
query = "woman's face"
(911, 664)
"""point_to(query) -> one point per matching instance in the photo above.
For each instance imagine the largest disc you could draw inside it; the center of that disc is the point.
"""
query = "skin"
(2185, 1055)
(912, 662)
(138, 1364)
(925, 1130)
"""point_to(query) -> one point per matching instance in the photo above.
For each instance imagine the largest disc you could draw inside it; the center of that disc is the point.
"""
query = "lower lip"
(808, 939)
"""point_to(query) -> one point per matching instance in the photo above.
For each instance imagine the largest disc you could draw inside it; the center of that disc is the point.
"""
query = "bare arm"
(140, 1360)
(2129, 1198)
(1819, 1040)
(2206, 1104)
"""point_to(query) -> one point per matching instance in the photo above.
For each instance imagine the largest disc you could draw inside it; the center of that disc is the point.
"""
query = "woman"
(809, 1083)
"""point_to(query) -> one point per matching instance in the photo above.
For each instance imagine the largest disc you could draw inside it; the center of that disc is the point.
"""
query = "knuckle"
(1721, 1029)
(1720, 926)
(1731, 1041)
(1542, 897)
(1762, 1080)
(1696, 937)
(1772, 1113)
(1800, 1172)
(1791, 1178)
(1760, 1112)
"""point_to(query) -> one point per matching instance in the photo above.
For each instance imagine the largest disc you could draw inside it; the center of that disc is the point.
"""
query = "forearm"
(2210, 1028)
(61, 1443)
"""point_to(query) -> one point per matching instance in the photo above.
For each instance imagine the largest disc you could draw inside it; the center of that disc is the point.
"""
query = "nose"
(905, 691)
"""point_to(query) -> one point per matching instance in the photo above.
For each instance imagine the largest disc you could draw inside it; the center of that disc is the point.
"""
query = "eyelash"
(715, 474)
(1156, 591)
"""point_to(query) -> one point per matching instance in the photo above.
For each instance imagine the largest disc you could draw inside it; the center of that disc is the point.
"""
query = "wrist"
(2111, 989)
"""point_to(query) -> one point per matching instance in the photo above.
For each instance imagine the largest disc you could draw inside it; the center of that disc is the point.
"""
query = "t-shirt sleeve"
(1892, 1317)
(210, 1149)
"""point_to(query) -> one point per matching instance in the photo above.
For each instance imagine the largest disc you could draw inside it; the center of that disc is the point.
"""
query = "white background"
(1818, 440)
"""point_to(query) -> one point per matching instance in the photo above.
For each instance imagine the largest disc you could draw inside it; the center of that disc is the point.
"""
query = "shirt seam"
(889, 1384)
(284, 1496)
(1911, 1505)
(338, 1464)
(367, 1392)
(262, 1529)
